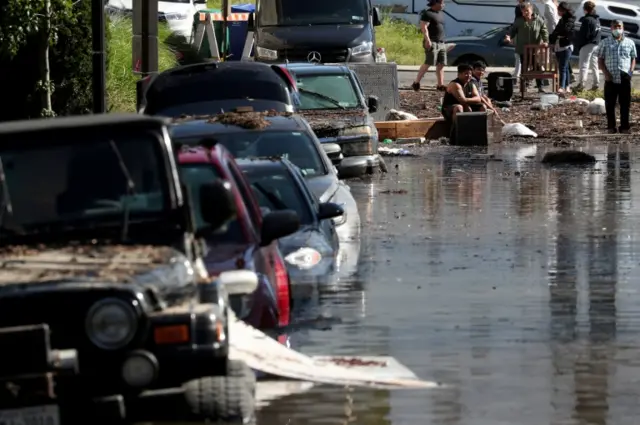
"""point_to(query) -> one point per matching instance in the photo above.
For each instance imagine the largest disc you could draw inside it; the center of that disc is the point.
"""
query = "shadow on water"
(513, 283)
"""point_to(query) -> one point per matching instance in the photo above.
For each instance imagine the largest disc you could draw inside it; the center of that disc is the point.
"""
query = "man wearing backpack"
(587, 41)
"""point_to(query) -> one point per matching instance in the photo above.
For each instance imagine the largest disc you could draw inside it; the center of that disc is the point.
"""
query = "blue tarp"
(238, 31)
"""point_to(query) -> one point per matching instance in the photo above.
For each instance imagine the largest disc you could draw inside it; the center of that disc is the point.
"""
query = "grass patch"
(217, 4)
(401, 40)
(121, 81)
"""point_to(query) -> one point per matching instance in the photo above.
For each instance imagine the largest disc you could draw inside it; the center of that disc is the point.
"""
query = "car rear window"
(276, 190)
(194, 175)
(296, 146)
(171, 91)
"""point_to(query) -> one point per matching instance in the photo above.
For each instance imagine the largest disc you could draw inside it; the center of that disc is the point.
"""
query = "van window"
(296, 12)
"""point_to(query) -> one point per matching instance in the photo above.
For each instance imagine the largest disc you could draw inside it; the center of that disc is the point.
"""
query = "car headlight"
(111, 323)
(176, 16)
(357, 148)
(263, 53)
(304, 258)
(363, 130)
(365, 48)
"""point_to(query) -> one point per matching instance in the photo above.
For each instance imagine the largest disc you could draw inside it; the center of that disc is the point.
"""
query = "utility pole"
(99, 63)
(225, 15)
(145, 41)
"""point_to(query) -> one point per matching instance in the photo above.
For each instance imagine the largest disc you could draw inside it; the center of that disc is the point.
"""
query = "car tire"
(239, 369)
(383, 165)
(224, 399)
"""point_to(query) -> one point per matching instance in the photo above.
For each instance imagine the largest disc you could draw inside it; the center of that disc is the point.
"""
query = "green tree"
(34, 23)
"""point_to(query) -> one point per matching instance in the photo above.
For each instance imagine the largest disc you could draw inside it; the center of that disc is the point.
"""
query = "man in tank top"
(461, 95)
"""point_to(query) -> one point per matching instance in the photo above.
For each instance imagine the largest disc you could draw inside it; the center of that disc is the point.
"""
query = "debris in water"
(568, 157)
(396, 191)
(354, 361)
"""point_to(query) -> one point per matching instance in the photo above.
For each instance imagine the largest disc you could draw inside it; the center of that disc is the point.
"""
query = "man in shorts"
(461, 95)
(435, 49)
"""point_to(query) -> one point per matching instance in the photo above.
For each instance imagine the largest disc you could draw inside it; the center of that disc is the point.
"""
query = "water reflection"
(499, 278)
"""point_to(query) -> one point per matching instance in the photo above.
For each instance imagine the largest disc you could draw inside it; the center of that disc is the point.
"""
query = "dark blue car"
(310, 253)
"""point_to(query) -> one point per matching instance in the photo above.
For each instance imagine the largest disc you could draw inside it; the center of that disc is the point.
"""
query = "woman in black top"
(562, 37)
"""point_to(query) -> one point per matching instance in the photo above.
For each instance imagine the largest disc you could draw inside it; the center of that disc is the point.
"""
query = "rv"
(475, 17)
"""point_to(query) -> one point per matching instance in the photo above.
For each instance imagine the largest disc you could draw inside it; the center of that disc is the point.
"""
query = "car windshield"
(276, 190)
(296, 146)
(493, 32)
(194, 175)
(47, 184)
(327, 92)
(296, 12)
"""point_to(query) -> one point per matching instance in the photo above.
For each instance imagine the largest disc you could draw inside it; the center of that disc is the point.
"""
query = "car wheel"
(224, 399)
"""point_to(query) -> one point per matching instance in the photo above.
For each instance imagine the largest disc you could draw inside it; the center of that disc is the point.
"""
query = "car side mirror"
(251, 22)
(278, 224)
(329, 210)
(377, 18)
(217, 204)
(372, 103)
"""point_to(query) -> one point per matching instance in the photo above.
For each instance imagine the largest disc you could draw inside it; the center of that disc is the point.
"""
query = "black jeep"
(106, 314)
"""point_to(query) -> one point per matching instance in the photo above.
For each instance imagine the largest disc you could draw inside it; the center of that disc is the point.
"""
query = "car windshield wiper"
(131, 189)
(271, 197)
(322, 96)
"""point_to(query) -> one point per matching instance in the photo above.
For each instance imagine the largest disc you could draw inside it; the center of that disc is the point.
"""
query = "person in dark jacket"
(587, 41)
(562, 38)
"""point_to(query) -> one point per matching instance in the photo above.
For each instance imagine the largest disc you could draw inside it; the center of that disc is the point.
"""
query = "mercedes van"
(326, 31)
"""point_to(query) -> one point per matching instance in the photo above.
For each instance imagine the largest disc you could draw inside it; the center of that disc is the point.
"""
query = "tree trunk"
(47, 109)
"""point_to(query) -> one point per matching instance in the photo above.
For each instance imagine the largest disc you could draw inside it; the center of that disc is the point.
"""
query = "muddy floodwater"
(514, 284)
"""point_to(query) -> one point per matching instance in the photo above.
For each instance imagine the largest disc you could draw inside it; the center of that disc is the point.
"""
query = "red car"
(249, 242)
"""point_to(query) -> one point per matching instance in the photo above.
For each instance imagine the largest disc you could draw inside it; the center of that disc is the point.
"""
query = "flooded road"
(514, 284)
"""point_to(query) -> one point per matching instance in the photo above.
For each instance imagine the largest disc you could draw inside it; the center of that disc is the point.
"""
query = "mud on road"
(551, 125)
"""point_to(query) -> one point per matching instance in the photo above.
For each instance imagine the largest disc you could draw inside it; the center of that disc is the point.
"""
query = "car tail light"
(282, 285)
(287, 76)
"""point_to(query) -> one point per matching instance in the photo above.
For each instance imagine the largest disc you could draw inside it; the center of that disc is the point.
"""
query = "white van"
(178, 14)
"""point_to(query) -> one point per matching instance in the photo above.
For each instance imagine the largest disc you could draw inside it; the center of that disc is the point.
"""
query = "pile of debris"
(551, 118)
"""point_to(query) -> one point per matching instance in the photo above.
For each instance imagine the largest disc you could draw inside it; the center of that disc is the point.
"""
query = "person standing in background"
(518, 65)
(435, 49)
(617, 60)
(562, 38)
(530, 29)
(587, 41)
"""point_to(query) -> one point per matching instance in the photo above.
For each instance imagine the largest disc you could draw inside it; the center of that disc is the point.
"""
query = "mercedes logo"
(314, 57)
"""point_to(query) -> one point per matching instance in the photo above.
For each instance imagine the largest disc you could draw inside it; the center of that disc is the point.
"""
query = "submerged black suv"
(106, 313)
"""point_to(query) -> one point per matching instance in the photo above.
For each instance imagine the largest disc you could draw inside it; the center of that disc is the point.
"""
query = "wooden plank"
(406, 128)
(386, 130)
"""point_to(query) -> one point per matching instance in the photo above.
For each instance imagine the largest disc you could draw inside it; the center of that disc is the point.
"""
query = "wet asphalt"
(513, 283)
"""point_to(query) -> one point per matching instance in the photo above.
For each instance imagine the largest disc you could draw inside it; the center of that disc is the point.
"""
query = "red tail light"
(284, 297)
(287, 75)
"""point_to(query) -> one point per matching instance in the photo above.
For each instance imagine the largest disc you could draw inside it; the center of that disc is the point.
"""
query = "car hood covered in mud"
(160, 267)
(327, 123)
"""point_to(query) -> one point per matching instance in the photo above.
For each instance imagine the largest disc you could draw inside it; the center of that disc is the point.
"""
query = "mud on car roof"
(81, 122)
(205, 125)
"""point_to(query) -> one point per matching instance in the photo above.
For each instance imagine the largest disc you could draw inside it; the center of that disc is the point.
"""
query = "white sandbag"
(596, 107)
(517, 129)
(395, 115)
